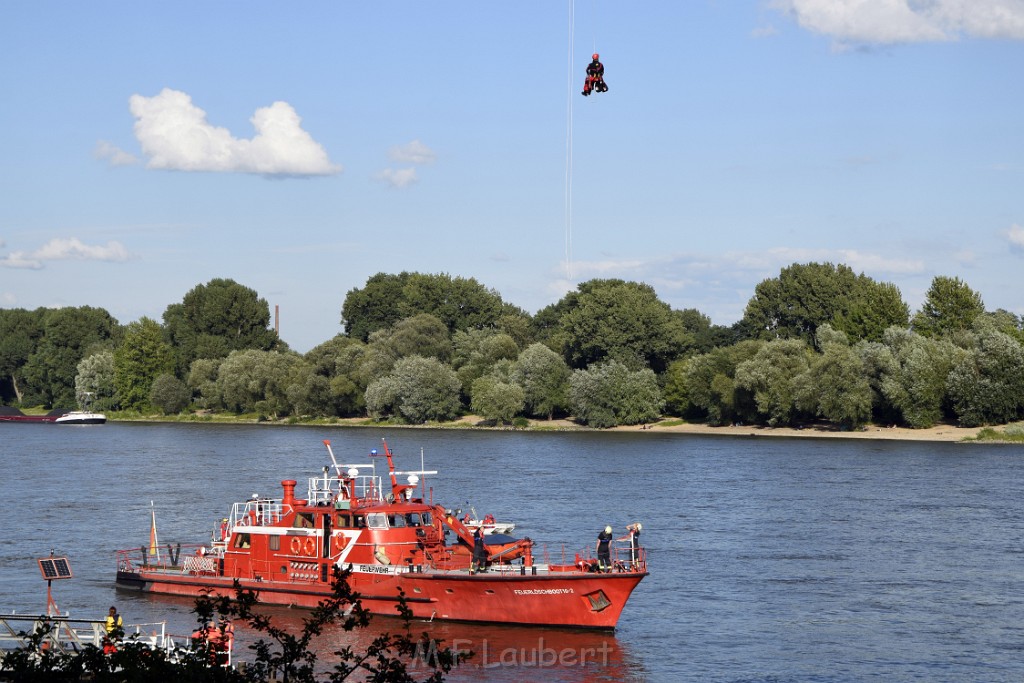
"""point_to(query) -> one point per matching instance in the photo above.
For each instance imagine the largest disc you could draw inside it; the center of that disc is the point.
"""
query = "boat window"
(396, 521)
(412, 519)
(377, 520)
(344, 521)
(427, 519)
(360, 522)
(303, 520)
(241, 540)
(275, 542)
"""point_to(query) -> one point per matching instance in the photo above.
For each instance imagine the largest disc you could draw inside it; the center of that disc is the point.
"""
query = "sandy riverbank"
(938, 433)
(668, 426)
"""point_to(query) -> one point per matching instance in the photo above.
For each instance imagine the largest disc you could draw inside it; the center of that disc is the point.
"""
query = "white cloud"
(779, 257)
(17, 259)
(1016, 237)
(175, 135)
(114, 155)
(907, 21)
(400, 177)
(414, 152)
(64, 249)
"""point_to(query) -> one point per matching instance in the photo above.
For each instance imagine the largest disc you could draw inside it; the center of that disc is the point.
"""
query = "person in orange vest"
(115, 629)
(227, 640)
(209, 637)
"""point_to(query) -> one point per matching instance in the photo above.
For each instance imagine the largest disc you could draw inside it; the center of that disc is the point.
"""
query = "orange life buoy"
(296, 545)
(340, 542)
(310, 547)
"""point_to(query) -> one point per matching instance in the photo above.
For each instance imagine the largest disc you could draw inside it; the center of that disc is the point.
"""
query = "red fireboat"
(391, 539)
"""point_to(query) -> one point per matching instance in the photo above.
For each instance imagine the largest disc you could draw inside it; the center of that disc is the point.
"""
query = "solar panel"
(55, 568)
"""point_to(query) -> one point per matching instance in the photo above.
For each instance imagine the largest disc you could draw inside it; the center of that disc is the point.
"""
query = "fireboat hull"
(560, 599)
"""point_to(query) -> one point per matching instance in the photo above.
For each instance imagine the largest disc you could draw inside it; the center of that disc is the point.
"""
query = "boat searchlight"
(352, 472)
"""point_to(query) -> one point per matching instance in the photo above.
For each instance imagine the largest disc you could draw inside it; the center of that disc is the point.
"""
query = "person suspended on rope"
(595, 77)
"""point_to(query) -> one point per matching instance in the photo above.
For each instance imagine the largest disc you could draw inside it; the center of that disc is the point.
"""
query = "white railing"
(257, 512)
(325, 490)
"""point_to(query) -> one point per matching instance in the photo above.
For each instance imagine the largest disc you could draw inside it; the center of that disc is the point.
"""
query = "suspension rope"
(568, 147)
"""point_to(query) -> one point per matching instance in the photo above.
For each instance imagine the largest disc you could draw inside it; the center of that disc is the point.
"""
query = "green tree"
(259, 381)
(94, 382)
(169, 394)
(949, 306)
(374, 307)
(20, 332)
(312, 396)
(1001, 321)
(202, 382)
(702, 335)
(461, 304)
(916, 385)
(839, 382)
(544, 377)
(609, 394)
(986, 386)
(476, 351)
(349, 383)
(68, 335)
(871, 308)
(878, 362)
(711, 387)
(778, 377)
(417, 390)
(675, 390)
(622, 321)
(805, 296)
(344, 363)
(142, 356)
(493, 399)
(420, 335)
(217, 318)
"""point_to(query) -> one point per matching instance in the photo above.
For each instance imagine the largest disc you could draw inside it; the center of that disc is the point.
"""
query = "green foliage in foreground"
(280, 655)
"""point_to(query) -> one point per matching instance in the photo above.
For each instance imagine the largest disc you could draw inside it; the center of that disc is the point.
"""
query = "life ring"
(340, 542)
(310, 547)
(296, 545)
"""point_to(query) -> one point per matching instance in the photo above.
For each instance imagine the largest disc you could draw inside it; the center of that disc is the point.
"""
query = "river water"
(772, 560)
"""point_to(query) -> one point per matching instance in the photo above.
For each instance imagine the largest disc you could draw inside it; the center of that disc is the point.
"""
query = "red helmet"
(596, 56)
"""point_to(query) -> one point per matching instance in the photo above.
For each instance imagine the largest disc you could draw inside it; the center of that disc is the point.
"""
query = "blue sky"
(299, 148)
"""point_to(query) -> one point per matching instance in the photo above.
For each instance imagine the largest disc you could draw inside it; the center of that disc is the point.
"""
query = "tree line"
(817, 343)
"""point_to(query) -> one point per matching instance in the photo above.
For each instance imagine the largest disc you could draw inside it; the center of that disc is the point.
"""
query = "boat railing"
(330, 490)
(169, 557)
(257, 512)
(65, 634)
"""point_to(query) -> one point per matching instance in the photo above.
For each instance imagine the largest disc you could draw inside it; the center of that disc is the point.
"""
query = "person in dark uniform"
(479, 552)
(595, 77)
(604, 540)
